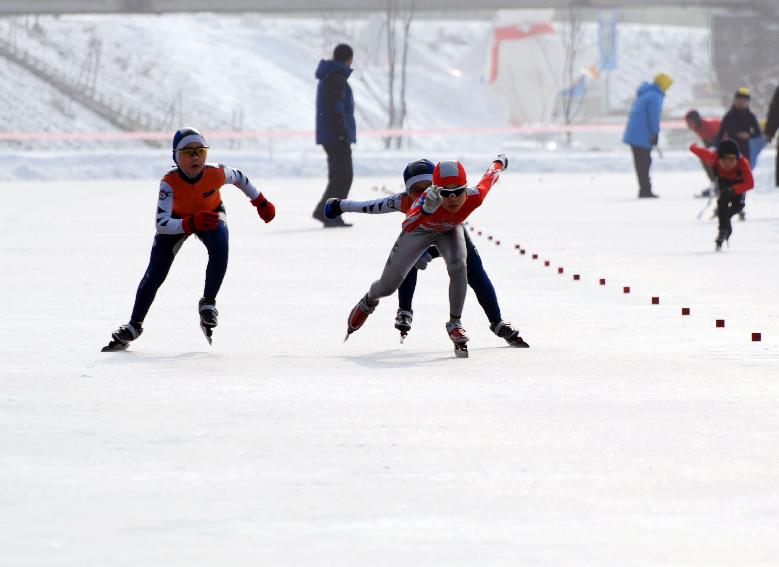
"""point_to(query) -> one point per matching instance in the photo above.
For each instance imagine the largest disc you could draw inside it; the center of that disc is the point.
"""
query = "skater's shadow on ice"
(146, 357)
(394, 358)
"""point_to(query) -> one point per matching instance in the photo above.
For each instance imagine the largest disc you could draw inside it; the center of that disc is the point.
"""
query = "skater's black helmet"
(416, 171)
(728, 148)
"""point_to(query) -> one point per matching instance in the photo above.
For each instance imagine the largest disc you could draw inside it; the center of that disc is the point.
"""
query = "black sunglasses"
(447, 193)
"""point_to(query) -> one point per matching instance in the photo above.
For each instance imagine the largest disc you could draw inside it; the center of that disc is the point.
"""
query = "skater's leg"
(480, 282)
(217, 244)
(451, 245)
(406, 290)
(163, 252)
(407, 249)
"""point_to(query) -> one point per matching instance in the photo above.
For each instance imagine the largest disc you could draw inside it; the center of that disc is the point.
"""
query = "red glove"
(265, 208)
(201, 221)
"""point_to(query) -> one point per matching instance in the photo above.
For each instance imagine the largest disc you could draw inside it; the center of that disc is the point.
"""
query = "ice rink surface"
(626, 435)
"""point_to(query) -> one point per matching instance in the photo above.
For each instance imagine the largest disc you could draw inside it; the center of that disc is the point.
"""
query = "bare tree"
(571, 97)
(396, 112)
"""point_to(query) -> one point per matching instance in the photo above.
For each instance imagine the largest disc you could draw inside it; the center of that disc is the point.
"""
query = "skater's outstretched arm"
(236, 177)
(396, 203)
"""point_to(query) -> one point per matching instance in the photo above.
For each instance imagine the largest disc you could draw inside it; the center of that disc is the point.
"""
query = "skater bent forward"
(189, 203)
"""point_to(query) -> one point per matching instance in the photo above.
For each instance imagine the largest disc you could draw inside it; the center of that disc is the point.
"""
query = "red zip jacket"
(442, 220)
(708, 131)
(741, 174)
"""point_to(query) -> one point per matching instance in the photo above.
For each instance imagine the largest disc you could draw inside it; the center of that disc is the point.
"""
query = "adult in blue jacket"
(335, 127)
(643, 129)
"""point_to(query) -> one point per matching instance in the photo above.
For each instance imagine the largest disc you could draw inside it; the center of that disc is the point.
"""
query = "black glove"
(333, 208)
(653, 139)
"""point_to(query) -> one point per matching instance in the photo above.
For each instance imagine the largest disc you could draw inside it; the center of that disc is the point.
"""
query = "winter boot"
(506, 330)
(121, 338)
(359, 314)
(208, 316)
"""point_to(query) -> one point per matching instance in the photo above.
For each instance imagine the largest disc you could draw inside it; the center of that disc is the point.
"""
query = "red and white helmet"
(449, 172)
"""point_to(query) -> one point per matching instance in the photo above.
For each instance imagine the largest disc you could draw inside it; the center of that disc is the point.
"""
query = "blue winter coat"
(334, 104)
(644, 117)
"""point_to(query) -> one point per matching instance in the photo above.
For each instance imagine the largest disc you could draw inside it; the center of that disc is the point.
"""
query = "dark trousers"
(164, 250)
(339, 175)
(776, 172)
(477, 279)
(642, 161)
(729, 204)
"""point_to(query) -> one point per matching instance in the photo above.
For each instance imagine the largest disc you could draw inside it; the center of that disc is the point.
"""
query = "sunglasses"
(194, 152)
(448, 193)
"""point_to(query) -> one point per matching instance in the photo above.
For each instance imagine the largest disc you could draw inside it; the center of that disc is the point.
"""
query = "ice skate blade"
(403, 336)
(208, 332)
(461, 351)
(115, 346)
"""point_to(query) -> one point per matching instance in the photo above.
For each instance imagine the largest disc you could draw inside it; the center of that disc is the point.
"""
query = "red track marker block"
(756, 337)
(471, 228)
(576, 277)
(546, 263)
(497, 243)
(626, 289)
(517, 247)
(719, 323)
(522, 251)
(602, 281)
(655, 301)
(478, 232)
(489, 237)
(535, 256)
(560, 270)
(685, 310)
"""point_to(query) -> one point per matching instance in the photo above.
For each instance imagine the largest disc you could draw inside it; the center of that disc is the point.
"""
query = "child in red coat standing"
(733, 177)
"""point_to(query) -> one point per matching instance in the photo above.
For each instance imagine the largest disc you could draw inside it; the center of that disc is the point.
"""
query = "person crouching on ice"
(189, 203)
(733, 177)
(434, 219)
(418, 176)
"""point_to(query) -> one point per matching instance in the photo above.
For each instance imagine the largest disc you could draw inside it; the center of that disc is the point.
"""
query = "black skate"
(403, 322)
(722, 237)
(208, 317)
(121, 338)
(505, 330)
(459, 338)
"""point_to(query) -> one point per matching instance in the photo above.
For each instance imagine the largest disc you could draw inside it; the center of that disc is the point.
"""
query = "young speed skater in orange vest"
(733, 178)
(190, 203)
(434, 219)
(418, 176)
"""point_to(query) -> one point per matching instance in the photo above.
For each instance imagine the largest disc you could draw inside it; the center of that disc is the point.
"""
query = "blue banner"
(607, 39)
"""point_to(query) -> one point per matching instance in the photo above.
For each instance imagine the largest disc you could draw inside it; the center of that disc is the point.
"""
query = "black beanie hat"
(728, 147)
(342, 53)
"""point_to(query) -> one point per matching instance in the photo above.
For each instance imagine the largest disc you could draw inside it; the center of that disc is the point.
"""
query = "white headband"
(417, 178)
(188, 139)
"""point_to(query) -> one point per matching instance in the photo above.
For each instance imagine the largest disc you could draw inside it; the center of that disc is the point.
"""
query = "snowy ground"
(627, 434)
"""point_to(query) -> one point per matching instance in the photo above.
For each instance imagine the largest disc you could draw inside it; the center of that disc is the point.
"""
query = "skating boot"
(403, 322)
(121, 338)
(359, 314)
(505, 330)
(208, 317)
(723, 236)
(459, 338)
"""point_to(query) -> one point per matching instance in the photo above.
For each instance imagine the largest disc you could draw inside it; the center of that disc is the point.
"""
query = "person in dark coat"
(771, 126)
(739, 123)
(335, 127)
(643, 128)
